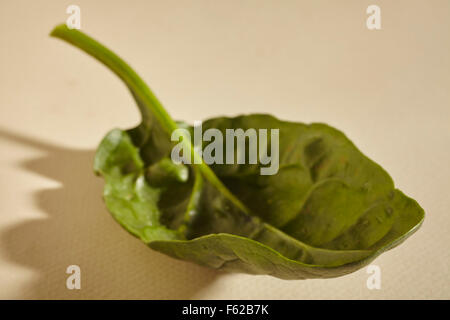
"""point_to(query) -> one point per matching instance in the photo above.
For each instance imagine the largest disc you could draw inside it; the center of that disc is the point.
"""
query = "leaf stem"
(141, 90)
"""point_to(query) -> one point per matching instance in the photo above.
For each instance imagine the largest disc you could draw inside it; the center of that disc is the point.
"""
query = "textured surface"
(387, 90)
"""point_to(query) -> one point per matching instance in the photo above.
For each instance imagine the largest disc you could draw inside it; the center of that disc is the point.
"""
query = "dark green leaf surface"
(328, 211)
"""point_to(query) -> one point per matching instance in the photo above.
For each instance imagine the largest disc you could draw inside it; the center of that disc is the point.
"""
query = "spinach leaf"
(327, 212)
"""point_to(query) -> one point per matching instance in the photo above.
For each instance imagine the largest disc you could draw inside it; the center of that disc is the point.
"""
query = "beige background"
(307, 61)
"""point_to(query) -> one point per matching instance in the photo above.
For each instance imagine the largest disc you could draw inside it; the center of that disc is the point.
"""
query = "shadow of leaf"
(80, 231)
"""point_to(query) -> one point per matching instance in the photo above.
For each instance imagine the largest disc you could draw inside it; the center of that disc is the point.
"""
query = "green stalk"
(141, 90)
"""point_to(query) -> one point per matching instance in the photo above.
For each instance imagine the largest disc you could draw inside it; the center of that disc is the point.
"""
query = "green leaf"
(328, 211)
